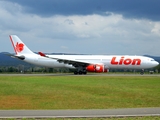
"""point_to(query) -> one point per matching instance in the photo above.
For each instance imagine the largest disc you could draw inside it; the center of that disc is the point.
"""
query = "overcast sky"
(82, 26)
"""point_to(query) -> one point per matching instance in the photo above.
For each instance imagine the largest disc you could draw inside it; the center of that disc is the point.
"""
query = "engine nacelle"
(96, 68)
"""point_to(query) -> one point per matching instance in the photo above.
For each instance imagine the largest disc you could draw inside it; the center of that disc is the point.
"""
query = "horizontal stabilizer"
(21, 57)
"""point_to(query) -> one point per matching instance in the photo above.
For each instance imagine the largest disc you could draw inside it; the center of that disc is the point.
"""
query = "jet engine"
(97, 68)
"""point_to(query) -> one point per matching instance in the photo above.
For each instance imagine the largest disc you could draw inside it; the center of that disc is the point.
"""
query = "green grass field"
(79, 92)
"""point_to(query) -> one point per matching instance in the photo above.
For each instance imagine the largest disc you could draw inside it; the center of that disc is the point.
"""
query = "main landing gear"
(142, 72)
(80, 71)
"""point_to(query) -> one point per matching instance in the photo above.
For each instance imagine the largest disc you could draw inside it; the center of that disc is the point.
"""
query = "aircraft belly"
(49, 63)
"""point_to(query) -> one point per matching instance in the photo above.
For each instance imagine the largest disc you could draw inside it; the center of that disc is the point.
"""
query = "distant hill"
(6, 60)
(156, 58)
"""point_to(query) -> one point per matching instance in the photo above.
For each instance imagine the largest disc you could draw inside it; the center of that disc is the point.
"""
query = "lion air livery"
(81, 63)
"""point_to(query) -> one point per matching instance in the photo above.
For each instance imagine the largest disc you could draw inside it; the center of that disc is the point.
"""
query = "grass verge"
(79, 92)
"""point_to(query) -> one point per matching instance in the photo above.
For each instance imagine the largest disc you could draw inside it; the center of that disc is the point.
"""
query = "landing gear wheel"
(75, 72)
(142, 72)
(85, 73)
(80, 72)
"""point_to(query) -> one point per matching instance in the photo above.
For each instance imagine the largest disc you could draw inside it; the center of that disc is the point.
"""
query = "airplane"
(81, 63)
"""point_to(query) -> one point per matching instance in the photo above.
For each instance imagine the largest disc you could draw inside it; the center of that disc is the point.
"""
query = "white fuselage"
(109, 61)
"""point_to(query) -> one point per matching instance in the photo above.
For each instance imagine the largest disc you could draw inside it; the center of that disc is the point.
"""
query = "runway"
(89, 74)
(128, 112)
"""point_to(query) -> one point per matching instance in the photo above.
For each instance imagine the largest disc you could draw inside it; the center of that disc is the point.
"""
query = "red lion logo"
(19, 47)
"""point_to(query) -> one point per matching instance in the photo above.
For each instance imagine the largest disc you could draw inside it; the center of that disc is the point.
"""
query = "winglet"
(41, 54)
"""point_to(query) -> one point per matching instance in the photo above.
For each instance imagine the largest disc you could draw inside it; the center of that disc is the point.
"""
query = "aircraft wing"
(73, 62)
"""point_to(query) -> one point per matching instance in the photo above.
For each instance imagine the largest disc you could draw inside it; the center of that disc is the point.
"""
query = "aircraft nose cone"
(157, 63)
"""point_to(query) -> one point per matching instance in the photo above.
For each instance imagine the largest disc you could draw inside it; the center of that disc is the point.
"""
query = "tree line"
(33, 69)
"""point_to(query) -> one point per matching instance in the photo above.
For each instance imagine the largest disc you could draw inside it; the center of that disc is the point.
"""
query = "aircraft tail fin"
(19, 47)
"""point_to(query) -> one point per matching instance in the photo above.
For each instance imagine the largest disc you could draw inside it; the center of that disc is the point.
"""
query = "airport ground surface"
(89, 74)
(95, 113)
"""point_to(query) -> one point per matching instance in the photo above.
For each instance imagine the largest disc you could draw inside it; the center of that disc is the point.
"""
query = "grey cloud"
(93, 34)
(70, 22)
(144, 9)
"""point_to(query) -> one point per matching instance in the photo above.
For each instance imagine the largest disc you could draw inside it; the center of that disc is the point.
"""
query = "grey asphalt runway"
(89, 74)
(128, 112)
